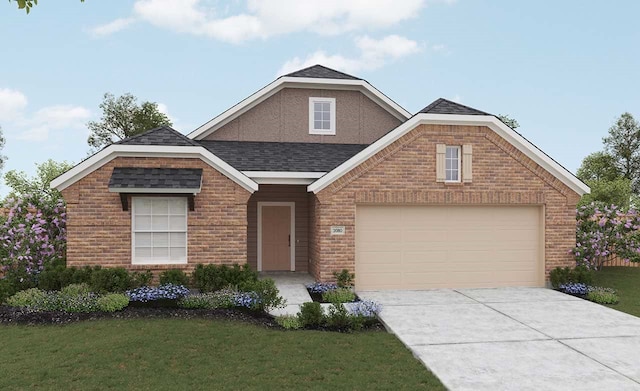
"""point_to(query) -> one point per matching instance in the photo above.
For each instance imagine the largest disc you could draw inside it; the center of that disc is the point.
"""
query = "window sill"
(159, 262)
(323, 132)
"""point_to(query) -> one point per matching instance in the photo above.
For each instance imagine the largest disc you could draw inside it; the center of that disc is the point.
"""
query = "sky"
(565, 70)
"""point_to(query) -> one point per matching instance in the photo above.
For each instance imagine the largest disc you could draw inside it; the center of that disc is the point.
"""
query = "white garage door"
(420, 247)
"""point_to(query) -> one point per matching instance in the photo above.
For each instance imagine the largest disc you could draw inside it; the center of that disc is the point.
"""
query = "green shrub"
(340, 295)
(110, 280)
(197, 301)
(139, 279)
(267, 292)
(33, 298)
(565, 275)
(174, 276)
(58, 276)
(344, 279)
(289, 322)
(7, 289)
(83, 302)
(602, 295)
(209, 278)
(75, 290)
(113, 302)
(338, 317)
(311, 315)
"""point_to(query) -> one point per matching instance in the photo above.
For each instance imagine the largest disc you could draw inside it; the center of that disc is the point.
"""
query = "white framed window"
(322, 116)
(452, 164)
(159, 230)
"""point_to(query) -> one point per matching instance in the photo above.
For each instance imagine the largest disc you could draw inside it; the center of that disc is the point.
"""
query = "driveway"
(515, 338)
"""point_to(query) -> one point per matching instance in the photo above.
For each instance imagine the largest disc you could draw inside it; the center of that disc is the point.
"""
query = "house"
(319, 171)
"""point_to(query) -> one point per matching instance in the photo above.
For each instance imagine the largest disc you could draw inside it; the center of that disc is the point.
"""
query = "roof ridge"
(156, 129)
(440, 101)
(294, 73)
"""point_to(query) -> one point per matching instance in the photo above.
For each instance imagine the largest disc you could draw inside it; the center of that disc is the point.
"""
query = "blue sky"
(565, 70)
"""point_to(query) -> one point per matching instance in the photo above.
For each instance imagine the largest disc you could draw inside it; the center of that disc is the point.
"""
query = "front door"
(276, 238)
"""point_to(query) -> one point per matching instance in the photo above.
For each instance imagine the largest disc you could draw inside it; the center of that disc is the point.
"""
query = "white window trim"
(133, 234)
(459, 148)
(292, 253)
(332, 118)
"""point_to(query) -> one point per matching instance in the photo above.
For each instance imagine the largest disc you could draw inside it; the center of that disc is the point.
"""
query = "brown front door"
(276, 238)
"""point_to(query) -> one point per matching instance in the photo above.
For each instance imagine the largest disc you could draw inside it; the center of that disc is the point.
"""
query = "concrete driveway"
(515, 338)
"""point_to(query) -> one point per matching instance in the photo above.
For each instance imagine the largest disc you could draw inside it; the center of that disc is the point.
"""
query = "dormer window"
(322, 116)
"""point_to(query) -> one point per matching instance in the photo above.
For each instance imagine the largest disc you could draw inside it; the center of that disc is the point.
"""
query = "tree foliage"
(24, 186)
(615, 192)
(123, 117)
(510, 122)
(2, 157)
(28, 4)
(623, 143)
(599, 166)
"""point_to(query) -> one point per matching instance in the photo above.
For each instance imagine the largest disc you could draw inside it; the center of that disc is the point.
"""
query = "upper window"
(452, 164)
(159, 230)
(322, 116)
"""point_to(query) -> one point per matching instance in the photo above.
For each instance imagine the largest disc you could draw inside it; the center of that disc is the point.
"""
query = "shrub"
(198, 301)
(602, 295)
(113, 302)
(151, 293)
(267, 294)
(7, 289)
(58, 276)
(311, 315)
(174, 276)
(32, 298)
(562, 276)
(574, 288)
(321, 287)
(338, 318)
(365, 308)
(340, 295)
(84, 302)
(209, 278)
(110, 280)
(138, 279)
(344, 278)
(289, 322)
(75, 289)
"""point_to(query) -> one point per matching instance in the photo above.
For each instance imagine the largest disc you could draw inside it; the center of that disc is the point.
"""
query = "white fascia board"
(297, 82)
(154, 191)
(489, 121)
(283, 177)
(117, 150)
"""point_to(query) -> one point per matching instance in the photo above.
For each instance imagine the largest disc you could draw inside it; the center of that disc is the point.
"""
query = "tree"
(2, 157)
(623, 143)
(510, 122)
(21, 185)
(28, 4)
(599, 166)
(122, 117)
(616, 192)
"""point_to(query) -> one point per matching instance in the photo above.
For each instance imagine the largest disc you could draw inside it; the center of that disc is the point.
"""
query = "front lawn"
(151, 354)
(625, 280)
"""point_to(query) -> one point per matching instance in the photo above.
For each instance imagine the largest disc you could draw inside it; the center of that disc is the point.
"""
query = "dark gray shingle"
(163, 135)
(443, 106)
(274, 156)
(155, 178)
(321, 72)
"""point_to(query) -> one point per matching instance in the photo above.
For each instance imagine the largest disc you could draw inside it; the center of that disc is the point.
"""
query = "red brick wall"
(405, 173)
(99, 231)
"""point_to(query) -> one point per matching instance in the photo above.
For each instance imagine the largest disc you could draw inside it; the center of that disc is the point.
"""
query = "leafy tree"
(28, 4)
(23, 186)
(510, 122)
(2, 157)
(599, 166)
(123, 117)
(609, 192)
(623, 143)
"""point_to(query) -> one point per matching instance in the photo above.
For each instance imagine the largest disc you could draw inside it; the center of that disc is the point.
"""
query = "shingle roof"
(155, 178)
(163, 135)
(443, 106)
(321, 72)
(277, 156)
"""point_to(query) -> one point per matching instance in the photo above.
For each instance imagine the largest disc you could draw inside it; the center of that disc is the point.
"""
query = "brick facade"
(99, 231)
(405, 173)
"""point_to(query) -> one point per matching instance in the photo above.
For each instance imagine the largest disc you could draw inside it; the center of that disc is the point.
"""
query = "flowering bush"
(366, 308)
(32, 236)
(602, 295)
(321, 287)
(603, 231)
(150, 293)
(574, 288)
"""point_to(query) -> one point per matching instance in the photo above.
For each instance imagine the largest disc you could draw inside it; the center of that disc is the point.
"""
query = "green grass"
(625, 280)
(146, 354)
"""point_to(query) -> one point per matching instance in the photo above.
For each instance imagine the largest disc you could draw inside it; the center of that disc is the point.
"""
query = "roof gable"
(444, 106)
(321, 72)
(162, 135)
(127, 179)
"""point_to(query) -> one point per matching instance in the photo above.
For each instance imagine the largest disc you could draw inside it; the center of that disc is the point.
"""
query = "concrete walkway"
(515, 338)
(292, 287)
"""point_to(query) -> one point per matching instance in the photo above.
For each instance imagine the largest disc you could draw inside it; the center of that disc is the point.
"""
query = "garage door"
(420, 247)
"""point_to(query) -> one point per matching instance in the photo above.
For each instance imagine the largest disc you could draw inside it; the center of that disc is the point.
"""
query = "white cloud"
(112, 27)
(261, 19)
(456, 99)
(12, 103)
(373, 54)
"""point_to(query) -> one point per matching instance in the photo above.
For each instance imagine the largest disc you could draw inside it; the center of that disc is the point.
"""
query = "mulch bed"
(13, 315)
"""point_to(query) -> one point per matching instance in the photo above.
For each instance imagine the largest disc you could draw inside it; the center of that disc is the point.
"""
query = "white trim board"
(513, 137)
(292, 231)
(283, 177)
(154, 190)
(298, 82)
(118, 150)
